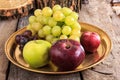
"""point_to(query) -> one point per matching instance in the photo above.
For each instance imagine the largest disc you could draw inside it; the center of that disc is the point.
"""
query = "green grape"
(76, 25)
(32, 19)
(63, 37)
(47, 30)
(47, 11)
(37, 12)
(66, 11)
(33, 32)
(45, 20)
(54, 40)
(49, 38)
(56, 31)
(36, 26)
(41, 34)
(52, 22)
(76, 32)
(30, 28)
(75, 37)
(39, 19)
(69, 20)
(56, 8)
(74, 15)
(58, 16)
(66, 30)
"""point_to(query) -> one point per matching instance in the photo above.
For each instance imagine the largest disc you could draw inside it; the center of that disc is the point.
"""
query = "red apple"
(67, 54)
(90, 41)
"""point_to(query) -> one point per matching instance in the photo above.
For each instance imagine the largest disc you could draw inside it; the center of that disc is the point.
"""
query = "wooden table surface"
(97, 12)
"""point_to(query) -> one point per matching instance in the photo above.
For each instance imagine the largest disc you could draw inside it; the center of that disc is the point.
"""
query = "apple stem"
(68, 46)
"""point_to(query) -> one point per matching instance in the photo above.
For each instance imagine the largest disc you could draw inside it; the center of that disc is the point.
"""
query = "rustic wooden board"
(17, 73)
(6, 29)
(20, 74)
(99, 13)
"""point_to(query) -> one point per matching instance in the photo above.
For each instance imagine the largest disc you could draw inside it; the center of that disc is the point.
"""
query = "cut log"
(15, 8)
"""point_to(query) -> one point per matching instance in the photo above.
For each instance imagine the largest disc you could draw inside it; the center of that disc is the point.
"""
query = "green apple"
(36, 53)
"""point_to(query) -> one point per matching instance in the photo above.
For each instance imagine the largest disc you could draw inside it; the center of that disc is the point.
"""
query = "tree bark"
(73, 4)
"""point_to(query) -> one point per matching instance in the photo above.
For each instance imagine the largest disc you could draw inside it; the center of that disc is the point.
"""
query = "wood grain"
(13, 8)
(20, 74)
(17, 73)
(6, 29)
(99, 13)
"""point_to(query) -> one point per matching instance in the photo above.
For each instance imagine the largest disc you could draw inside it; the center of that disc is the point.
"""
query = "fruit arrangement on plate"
(54, 37)
(61, 57)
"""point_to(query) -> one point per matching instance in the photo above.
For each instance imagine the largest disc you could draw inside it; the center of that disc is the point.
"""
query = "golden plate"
(15, 56)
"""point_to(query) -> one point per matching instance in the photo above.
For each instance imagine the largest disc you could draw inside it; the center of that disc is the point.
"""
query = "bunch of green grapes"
(56, 23)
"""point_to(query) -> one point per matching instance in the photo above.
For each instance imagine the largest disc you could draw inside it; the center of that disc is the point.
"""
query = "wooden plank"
(17, 73)
(6, 29)
(20, 74)
(99, 13)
